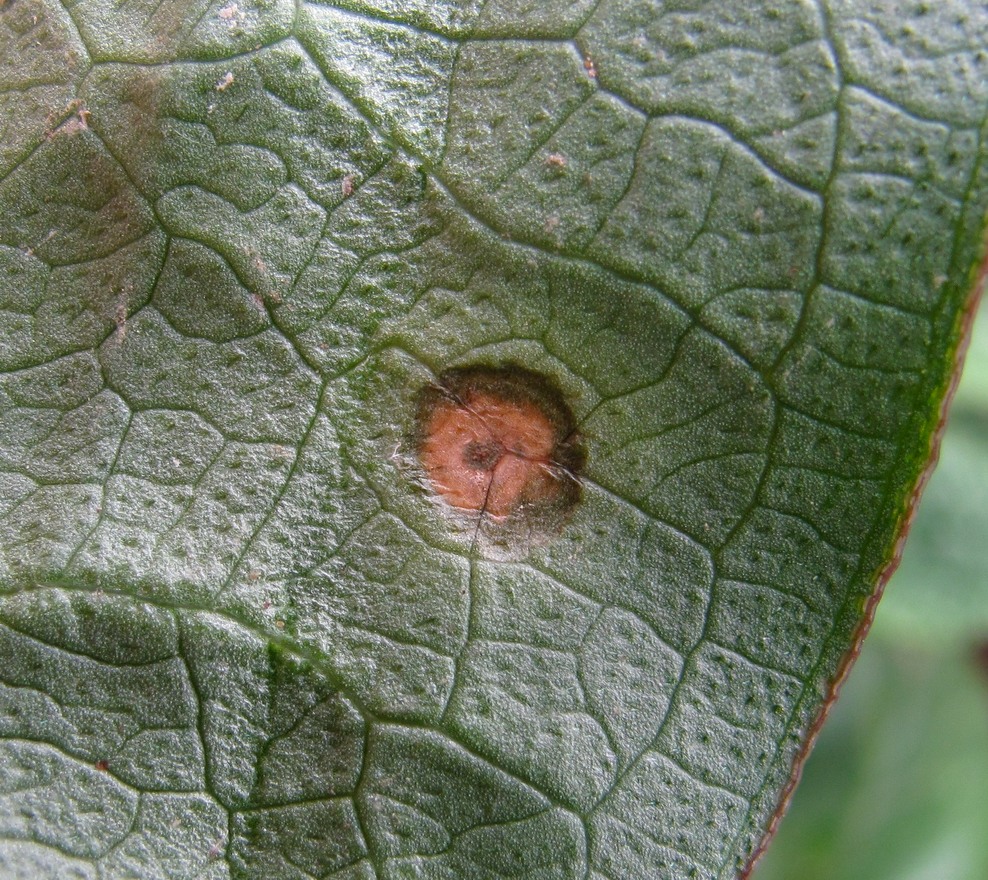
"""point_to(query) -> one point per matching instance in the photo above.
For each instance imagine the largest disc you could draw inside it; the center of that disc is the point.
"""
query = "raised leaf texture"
(239, 638)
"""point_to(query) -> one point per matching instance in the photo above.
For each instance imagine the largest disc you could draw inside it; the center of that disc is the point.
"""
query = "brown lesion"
(500, 442)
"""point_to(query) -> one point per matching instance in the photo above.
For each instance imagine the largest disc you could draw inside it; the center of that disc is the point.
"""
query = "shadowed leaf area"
(241, 634)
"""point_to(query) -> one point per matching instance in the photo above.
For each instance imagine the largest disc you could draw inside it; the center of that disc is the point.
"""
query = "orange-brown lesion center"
(489, 455)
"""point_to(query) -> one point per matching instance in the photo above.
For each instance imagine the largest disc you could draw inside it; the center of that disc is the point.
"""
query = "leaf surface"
(240, 638)
(895, 785)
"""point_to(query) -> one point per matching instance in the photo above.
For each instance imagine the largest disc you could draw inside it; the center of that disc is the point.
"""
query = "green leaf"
(241, 636)
(895, 787)
(941, 594)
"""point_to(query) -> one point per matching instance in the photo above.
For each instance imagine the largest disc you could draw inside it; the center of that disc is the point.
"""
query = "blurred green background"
(897, 786)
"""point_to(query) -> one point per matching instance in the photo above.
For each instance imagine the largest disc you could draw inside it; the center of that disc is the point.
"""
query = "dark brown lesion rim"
(500, 443)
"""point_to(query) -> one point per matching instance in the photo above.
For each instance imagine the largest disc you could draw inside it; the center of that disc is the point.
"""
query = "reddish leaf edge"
(965, 325)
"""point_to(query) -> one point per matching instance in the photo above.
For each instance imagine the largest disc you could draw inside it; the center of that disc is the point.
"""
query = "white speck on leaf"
(120, 319)
(225, 83)
(76, 121)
